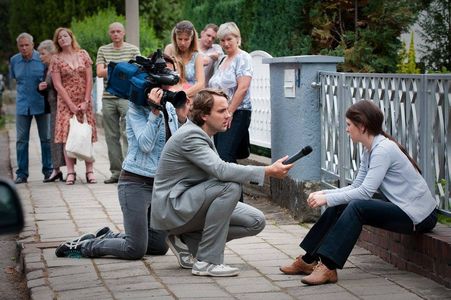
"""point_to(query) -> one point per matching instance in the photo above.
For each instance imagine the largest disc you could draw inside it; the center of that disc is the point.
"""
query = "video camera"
(133, 80)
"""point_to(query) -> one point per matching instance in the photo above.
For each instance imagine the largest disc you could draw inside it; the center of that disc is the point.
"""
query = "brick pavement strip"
(56, 212)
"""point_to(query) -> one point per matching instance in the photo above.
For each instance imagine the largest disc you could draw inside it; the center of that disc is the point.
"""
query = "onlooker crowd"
(55, 83)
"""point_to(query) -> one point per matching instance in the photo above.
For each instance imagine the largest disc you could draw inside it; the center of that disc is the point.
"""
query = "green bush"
(364, 32)
(444, 219)
(92, 32)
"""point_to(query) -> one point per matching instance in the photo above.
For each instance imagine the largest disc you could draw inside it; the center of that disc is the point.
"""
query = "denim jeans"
(113, 116)
(23, 125)
(139, 239)
(338, 229)
(229, 143)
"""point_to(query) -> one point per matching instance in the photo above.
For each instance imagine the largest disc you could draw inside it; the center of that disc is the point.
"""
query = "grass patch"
(445, 220)
(262, 151)
(5, 119)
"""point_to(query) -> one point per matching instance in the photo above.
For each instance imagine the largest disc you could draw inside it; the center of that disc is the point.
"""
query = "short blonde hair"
(118, 24)
(229, 28)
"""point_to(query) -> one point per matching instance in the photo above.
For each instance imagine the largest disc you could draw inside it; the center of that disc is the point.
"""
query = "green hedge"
(92, 32)
(369, 40)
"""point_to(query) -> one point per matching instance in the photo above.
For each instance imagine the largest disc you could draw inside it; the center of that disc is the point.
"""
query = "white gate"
(260, 128)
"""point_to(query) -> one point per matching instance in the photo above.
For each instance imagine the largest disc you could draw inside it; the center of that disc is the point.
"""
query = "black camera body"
(133, 80)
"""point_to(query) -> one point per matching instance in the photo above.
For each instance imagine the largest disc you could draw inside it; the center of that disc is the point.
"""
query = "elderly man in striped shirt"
(114, 109)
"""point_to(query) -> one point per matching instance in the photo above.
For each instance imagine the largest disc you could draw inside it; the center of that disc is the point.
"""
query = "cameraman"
(146, 134)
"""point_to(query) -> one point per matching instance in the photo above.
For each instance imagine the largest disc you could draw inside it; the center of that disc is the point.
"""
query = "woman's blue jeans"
(139, 239)
(338, 229)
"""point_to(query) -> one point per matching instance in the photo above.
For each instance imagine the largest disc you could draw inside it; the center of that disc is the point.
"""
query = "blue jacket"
(28, 75)
(146, 138)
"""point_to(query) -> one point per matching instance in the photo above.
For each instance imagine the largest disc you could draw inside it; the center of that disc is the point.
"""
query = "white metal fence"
(260, 128)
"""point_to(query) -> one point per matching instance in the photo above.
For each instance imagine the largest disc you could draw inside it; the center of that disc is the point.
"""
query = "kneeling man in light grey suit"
(195, 196)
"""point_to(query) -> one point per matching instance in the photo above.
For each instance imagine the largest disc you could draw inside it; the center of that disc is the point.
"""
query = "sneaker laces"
(187, 258)
(318, 266)
(72, 250)
(220, 267)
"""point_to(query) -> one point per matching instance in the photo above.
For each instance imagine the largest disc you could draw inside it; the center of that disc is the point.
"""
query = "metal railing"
(417, 113)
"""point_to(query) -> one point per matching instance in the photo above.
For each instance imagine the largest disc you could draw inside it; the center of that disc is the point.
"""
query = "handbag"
(79, 144)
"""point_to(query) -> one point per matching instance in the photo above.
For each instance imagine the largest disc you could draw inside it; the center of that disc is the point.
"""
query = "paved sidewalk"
(56, 212)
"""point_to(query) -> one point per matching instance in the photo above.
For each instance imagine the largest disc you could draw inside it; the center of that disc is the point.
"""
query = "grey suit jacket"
(189, 158)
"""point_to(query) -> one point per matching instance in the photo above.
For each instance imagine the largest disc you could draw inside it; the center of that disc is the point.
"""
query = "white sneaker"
(202, 268)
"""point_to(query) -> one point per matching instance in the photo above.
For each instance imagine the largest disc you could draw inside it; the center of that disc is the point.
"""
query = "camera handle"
(155, 105)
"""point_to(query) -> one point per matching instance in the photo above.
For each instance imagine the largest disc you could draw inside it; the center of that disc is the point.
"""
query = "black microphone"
(304, 151)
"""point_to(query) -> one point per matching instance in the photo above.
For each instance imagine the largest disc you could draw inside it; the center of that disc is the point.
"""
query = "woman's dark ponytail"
(403, 149)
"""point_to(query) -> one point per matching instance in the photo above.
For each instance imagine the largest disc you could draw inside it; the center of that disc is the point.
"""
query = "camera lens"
(178, 99)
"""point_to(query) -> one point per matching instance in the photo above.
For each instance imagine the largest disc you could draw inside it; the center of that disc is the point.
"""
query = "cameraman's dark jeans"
(336, 232)
(135, 196)
(228, 143)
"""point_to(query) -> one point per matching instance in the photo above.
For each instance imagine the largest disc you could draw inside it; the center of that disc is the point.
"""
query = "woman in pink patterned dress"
(72, 78)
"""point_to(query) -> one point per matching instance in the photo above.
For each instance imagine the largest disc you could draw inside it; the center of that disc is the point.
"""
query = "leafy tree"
(41, 18)
(92, 32)
(407, 60)
(7, 45)
(279, 27)
(365, 32)
(435, 23)
(161, 15)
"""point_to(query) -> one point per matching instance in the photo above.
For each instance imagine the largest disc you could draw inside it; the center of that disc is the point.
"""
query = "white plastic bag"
(78, 144)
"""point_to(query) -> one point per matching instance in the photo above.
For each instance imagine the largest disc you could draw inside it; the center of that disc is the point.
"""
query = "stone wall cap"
(305, 59)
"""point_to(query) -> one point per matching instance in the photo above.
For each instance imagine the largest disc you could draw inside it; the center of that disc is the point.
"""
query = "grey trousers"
(113, 116)
(220, 219)
(139, 239)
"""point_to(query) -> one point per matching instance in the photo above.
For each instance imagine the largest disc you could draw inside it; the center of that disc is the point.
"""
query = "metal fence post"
(426, 133)
(342, 129)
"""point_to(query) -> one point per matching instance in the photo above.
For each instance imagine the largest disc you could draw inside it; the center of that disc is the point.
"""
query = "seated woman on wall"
(386, 166)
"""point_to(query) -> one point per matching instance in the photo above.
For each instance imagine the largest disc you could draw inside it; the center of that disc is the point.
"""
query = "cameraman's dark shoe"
(72, 248)
(111, 180)
(103, 233)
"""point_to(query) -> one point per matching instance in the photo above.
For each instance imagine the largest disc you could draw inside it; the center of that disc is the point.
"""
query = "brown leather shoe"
(298, 267)
(320, 275)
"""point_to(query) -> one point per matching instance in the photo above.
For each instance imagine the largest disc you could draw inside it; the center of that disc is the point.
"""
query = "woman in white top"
(386, 167)
(234, 76)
